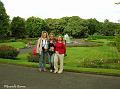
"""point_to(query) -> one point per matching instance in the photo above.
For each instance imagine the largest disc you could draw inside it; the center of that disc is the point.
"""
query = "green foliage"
(56, 25)
(75, 27)
(32, 58)
(8, 52)
(4, 22)
(17, 44)
(93, 26)
(100, 63)
(108, 28)
(92, 57)
(17, 27)
(34, 26)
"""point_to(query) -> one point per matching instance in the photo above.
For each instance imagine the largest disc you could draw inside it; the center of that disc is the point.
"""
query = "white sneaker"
(44, 70)
(59, 72)
(40, 69)
(51, 70)
(55, 71)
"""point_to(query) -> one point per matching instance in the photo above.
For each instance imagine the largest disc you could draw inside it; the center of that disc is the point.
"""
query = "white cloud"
(99, 9)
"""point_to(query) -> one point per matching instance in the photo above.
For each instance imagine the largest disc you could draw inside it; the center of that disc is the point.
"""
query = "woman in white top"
(42, 50)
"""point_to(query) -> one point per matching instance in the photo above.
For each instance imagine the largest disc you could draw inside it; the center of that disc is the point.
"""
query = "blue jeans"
(51, 61)
(42, 59)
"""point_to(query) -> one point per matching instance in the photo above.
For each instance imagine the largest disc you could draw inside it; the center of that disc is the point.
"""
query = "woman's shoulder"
(39, 38)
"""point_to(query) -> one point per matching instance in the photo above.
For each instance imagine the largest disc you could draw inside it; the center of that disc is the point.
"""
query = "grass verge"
(111, 72)
(15, 44)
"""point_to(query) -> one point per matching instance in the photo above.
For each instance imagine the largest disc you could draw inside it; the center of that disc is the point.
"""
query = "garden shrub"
(32, 58)
(8, 52)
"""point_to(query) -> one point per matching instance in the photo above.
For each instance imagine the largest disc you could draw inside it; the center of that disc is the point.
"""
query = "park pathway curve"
(26, 50)
(30, 78)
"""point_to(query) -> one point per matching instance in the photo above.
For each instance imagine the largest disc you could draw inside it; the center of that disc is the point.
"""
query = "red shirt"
(60, 47)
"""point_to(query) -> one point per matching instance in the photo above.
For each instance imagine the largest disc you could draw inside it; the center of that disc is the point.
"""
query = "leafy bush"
(8, 52)
(32, 58)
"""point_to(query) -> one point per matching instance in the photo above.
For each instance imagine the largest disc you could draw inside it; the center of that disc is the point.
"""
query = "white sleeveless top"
(44, 43)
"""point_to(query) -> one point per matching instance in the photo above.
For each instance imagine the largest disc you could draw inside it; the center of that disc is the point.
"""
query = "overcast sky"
(99, 9)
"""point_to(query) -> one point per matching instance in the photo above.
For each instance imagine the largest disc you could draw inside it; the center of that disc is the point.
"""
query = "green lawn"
(102, 41)
(76, 55)
(15, 44)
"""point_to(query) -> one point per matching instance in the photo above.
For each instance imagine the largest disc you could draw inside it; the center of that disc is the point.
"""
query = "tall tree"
(17, 27)
(4, 22)
(34, 26)
(108, 28)
(75, 27)
(93, 26)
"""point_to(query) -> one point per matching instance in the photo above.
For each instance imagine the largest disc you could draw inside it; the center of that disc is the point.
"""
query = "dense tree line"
(74, 26)
(4, 22)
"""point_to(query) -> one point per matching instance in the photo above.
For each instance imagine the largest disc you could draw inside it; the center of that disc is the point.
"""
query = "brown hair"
(53, 35)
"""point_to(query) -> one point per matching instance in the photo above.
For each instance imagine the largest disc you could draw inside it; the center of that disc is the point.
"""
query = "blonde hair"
(47, 36)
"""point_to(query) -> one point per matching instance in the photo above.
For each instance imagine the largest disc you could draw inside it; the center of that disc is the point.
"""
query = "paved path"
(26, 50)
(30, 78)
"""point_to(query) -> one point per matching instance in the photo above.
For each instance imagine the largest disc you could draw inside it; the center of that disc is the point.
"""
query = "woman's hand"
(57, 52)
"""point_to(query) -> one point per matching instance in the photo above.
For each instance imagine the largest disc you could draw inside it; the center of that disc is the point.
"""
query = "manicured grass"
(100, 37)
(76, 55)
(102, 41)
(113, 72)
(15, 44)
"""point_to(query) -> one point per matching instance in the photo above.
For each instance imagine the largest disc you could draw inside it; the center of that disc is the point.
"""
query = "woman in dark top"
(51, 50)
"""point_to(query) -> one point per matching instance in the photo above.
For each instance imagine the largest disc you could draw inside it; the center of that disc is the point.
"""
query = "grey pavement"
(19, 77)
(26, 50)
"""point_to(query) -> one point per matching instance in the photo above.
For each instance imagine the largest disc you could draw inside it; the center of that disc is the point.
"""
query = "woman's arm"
(64, 48)
(56, 48)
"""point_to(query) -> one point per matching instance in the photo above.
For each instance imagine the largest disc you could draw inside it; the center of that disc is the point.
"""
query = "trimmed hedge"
(8, 52)
(100, 37)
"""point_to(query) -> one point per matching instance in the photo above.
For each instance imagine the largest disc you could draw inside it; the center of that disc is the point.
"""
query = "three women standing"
(53, 49)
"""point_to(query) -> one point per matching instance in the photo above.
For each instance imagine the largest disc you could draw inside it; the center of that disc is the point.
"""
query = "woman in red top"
(60, 51)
